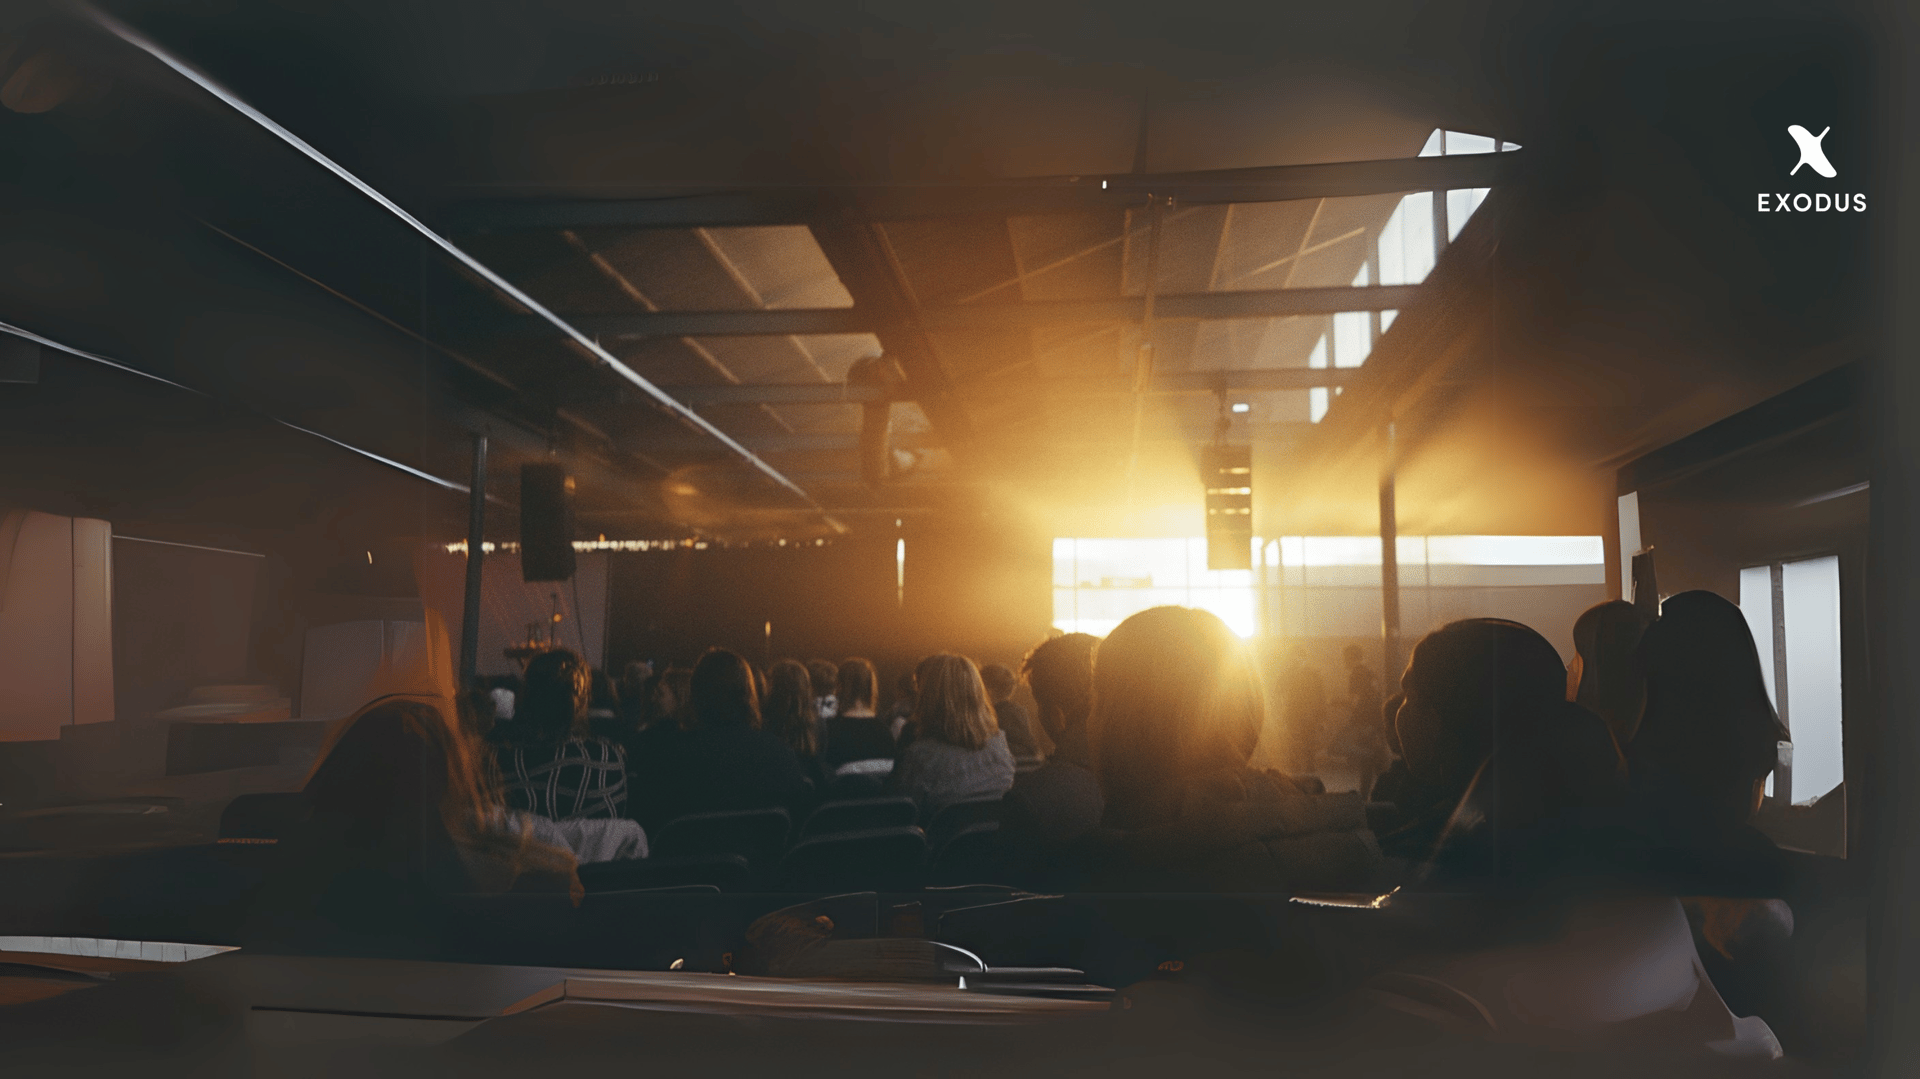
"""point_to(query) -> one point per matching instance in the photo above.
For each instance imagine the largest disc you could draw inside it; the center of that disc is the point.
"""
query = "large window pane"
(1756, 603)
(1810, 591)
(1406, 242)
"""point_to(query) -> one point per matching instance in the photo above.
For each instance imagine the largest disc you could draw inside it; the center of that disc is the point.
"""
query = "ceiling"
(1074, 236)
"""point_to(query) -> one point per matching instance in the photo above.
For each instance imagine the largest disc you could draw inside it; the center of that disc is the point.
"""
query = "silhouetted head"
(950, 704)
(855, 686)
(1485, 706)
(1602, 678)
(722, 691)
(1059, 671)
(678, 695)
(1708, 735)
(999, 681)
(825, 677)
(602, 693)
(789, 712)
(552, 705)
(1175, 697)
(634, 676)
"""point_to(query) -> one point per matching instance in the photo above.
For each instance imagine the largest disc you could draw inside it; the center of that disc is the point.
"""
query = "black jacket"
(710, 769)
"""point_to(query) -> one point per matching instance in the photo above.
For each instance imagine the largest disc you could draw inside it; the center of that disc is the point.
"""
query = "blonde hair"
(950, 702)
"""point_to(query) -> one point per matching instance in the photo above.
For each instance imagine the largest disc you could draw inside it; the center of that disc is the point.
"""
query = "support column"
(1891, 804)
(476, 546)
(1389, 568)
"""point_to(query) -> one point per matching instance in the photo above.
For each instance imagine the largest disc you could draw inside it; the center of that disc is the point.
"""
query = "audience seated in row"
(1708, 736)
(1510, 782)
(956, 750)
(789, 715)
(550, 763)
(1602, 677)
(853, 732)
(403, 811)
(1177, 712)
(1009, 713)
(1706, 740)
(723, 759)
(826, 679)
(902, 708)
(1503, 769)
(1501, 782)
(1052, 807)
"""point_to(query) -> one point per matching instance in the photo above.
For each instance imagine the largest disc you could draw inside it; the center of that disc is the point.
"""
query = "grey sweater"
(937, 774)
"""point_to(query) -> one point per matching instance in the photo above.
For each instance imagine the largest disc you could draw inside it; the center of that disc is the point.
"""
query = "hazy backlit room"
(872, 538)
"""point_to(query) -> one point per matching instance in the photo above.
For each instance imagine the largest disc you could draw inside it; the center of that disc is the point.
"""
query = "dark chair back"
(758, 835)
(876, 859)
(856, 815)
(516, 928)
(970, 856)
(262, 816)
(949, 821)
(856, 786)
(726, 872)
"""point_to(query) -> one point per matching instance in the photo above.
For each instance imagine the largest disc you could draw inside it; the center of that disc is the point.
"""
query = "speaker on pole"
(546, 523)
(1227, 472)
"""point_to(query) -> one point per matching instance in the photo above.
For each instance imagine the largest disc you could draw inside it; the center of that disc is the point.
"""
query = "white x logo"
(1811, 152)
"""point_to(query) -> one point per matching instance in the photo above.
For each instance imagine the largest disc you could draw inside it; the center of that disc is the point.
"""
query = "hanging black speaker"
(1227, 472)
(546, 523)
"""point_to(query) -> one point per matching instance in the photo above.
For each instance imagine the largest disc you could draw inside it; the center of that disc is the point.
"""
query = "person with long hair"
(789, 715)
(958, 751)
(403, 810)
(1708, 736)
(1009, 713)
(1707, 739)
(854, 733)
(1603, 678)
(1177, 713)
(551, 763)
(1056, 804)
(1502, 769)
(723, 759)
(1513, 778)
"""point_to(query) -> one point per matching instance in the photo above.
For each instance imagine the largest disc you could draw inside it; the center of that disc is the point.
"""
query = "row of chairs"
(849, 843)
(892, 859)
(871, 843)
(761, 835)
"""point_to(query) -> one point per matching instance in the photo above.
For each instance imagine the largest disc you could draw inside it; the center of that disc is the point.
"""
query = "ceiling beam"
(1066, 194)
(801, 393)
(1192, 306)
(756, 323)
(1171, 382)
(864, 260)
(1263, 378)
(678, 446)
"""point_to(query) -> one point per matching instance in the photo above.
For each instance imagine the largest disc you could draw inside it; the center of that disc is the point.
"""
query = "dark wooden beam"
(883, 317)
(1063, 194)
(864, 261)
(1171, 382)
